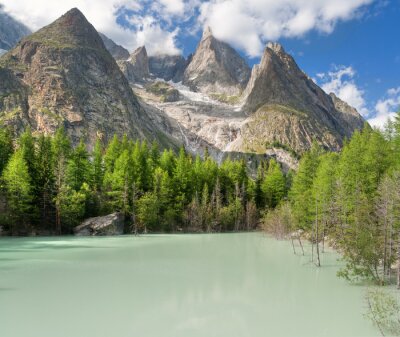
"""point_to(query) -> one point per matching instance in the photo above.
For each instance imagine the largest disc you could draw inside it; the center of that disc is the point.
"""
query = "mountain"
(11, 30)
(64, 75)
(136, 67)
(287, 107)
(216, 68)
(278, 113)
(117, 51)
(168, 67)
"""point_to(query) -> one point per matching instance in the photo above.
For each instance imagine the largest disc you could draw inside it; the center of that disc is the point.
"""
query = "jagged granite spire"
(290, 108)
(216, 68)
(136, 68)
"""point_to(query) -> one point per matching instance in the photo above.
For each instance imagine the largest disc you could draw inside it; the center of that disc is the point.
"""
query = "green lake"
(218, 285)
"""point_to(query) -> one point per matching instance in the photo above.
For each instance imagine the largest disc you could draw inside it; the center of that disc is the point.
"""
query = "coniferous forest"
(351, 201)
(49, 187)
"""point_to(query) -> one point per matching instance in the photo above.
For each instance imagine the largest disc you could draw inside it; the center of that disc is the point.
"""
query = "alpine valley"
(68, 74)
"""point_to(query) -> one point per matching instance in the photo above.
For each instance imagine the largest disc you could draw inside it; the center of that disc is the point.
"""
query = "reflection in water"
(172, 285)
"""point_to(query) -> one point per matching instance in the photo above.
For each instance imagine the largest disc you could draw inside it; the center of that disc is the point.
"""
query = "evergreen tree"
(44, 194)
(6, 147)
(273, 185)
(19, 191)
(98, 166)
(61, 149)
(78, 169)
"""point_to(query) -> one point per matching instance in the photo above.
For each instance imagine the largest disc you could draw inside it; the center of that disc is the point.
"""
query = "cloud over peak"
(341, 82)
(247, 25)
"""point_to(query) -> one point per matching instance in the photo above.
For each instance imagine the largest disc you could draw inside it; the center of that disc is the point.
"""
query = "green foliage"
(228, 99)
(58, 186)
(301, 191)
(148, 208)
(274, 185)
(384, 311)
(6, 147)
(18, 190)
(78, 169)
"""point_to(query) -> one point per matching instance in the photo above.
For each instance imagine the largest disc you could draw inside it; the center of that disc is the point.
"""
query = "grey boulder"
(112, 224)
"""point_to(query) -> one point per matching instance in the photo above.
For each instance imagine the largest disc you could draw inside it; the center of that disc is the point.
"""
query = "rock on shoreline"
(112, 224)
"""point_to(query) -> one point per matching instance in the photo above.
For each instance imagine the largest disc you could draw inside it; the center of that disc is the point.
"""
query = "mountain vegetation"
(352, 199)
(49, 187)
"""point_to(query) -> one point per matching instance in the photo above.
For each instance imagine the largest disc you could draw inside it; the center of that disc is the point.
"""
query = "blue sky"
(350, 47)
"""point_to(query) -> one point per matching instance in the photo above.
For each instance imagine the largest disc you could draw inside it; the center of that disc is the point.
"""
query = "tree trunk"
(294, 249)
(398, 263)
(301, 245)
(317, 239)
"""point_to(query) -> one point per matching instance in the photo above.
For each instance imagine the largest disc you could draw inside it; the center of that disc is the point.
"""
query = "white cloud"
(102, 14)
(156, 40)
(386, 108)
(249, 24)
(341, 82)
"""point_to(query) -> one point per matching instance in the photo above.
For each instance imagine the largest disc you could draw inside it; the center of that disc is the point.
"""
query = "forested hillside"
(48, 187)
(352, 199)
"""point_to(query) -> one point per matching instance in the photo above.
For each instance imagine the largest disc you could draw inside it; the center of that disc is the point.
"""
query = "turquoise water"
(173, 285)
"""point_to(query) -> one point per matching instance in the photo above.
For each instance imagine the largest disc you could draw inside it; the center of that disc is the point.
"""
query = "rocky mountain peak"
(275, 47)
(136, 68)
(69, 31)
(11, 30)
(279, 93)
(207, 33)
(139, 55)
(64, 75)
(216, 68)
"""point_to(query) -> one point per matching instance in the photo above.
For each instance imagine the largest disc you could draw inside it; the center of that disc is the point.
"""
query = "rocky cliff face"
(216, 68)
(117, 51)
(168, 67)
(63, 75)
(136, 68)
(287, 107)
(11, 31)
(280, 113)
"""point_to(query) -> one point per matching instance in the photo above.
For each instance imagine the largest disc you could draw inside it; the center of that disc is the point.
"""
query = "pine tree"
(61, 149)
(301, 191)
(98, 166)
(6, 147)
(19, 191)
(78, 169)
(273, 185)
(44, 194)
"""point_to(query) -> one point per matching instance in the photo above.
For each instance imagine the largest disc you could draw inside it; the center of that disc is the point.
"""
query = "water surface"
(171, 286)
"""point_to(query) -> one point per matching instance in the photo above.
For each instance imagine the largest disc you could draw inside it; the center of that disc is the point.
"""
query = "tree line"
(351, 198)
(48, 186)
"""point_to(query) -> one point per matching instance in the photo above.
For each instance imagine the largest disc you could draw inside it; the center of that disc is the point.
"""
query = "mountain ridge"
(64, 74)
(72, 80)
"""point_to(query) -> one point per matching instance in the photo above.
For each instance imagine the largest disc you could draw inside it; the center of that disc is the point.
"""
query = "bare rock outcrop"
(117, 51)
(64, 75)
(112, 224)
(136, 68)
(216, 68)
(167, 67)
(287, 107)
